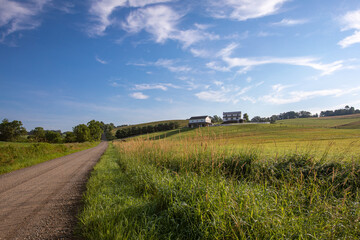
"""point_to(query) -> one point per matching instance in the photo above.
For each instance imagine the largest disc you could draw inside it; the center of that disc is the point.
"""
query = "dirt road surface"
(42, 201)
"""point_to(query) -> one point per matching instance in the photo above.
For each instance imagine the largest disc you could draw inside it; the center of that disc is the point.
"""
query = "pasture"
(290, 180)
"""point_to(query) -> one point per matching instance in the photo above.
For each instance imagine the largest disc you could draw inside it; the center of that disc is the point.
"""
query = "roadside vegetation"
(275, 181)
(19, 148)
(15, 156)
(92, 131)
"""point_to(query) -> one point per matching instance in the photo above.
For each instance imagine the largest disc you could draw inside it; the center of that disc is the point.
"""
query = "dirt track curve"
(41, 202)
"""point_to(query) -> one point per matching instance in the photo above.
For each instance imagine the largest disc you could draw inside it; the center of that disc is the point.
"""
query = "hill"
(327, 122)
(292, 179)
(182, 123)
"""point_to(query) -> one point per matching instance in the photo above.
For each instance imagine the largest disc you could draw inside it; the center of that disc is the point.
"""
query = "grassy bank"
(192, 188)
(14, 156)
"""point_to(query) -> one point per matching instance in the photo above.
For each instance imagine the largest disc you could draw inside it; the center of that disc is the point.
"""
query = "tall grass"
(193, 189)
(14, 156)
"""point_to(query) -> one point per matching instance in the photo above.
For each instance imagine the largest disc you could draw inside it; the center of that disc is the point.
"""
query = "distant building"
(199, 121)
(232, 117)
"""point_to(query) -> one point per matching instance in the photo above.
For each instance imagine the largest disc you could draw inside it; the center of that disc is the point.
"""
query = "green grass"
(14, 156)
(228, 183)
(323, 121)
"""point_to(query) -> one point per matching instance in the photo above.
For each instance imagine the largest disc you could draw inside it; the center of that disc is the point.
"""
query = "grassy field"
(335, 121)
(14, 156)
(282, 181)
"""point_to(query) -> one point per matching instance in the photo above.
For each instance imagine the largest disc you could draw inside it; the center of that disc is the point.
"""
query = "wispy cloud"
(100, 60)
(139, 95)
(246, 64)
(226, 94)
(279, 96)
(169, 64)
(17, 16)
(351, 20)
(350, 40)
(200, 52)
(161, 86)
(161, 22)
(66, 7)
(102, 12)
(243, 10)
(168, 100)
(290, 22)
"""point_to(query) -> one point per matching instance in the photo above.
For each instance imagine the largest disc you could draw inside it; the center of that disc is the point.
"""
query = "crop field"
(14, 156)
(278, 181)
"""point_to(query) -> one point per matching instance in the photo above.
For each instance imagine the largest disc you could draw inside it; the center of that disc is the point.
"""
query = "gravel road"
(42, 201)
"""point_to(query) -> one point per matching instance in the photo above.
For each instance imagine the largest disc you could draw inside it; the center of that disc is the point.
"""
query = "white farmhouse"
(232, 116)
(199, 121)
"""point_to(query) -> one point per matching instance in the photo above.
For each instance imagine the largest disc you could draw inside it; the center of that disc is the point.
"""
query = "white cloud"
(202, 26)
(245, 64)
(290, 22)
(100, 60)
(158, 20)
(161, 22)
(278, 96)
(351, 20)
(169, 100)
(200, 52)
(223, 95)
(139, 95)
(243, 10)
(217, 67)
(350, 40)
(264, 34)
(17, 16)
(279, 87)
(102, 12)
(226, 94)
(169, 64)
(161, 86)
(218, 83)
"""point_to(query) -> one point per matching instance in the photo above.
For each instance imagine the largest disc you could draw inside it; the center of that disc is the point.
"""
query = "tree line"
(338, 112)
(92, 131)
(137, 130)
(305, 114)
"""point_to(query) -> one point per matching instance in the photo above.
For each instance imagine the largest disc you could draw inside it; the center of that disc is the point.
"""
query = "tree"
(10, 131)
(38, 134)
(53, 137)
(256, 119)
(246, 117)
(273, 119)
(70, 137)
(96, 130)
(82, 133)
(216, 119)
(149, 129)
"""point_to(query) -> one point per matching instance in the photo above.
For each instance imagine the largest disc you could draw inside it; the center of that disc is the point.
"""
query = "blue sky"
(130, 61)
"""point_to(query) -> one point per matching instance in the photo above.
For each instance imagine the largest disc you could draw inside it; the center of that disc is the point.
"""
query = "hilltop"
(182, 123)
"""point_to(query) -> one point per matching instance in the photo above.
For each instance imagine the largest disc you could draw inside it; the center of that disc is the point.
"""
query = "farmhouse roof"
(199, 117)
